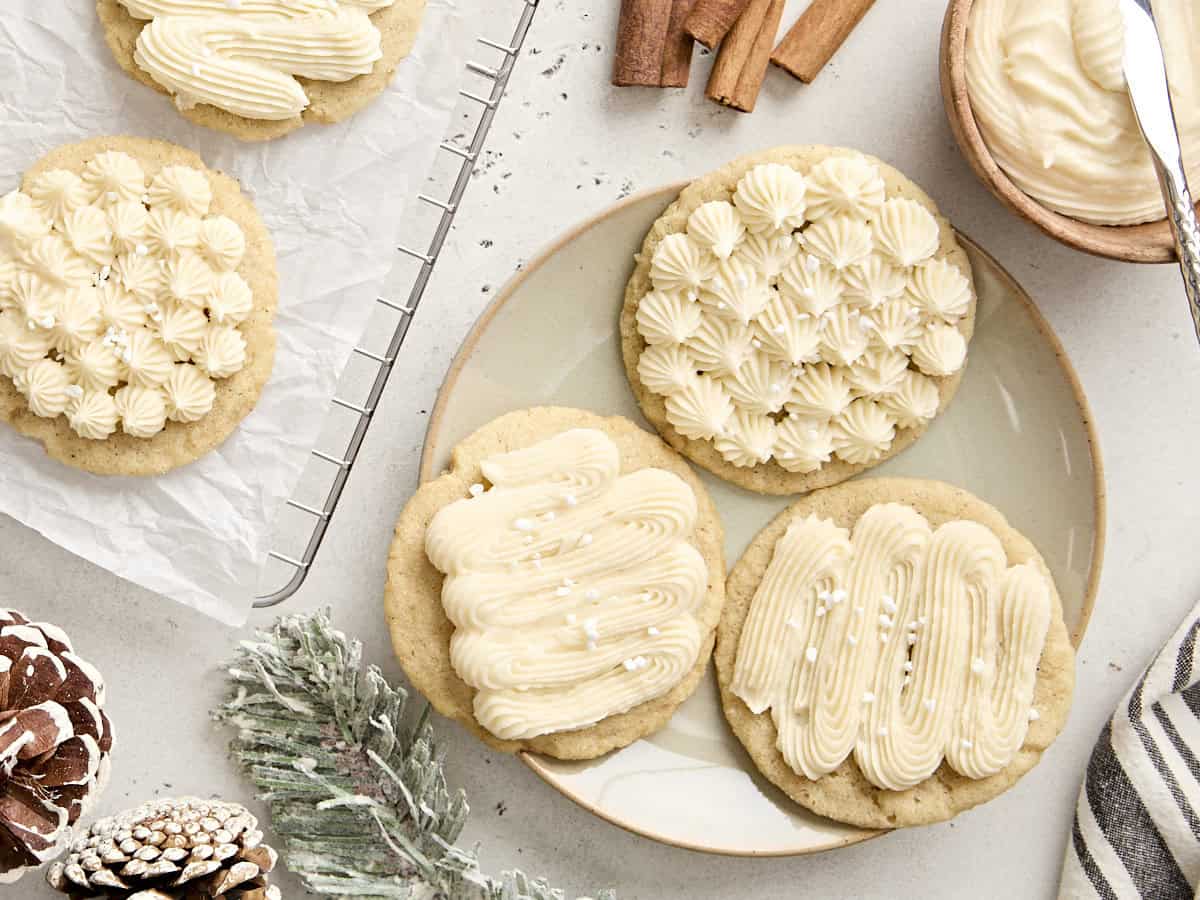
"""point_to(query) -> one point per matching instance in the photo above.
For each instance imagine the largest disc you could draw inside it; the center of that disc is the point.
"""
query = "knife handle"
(1182, 214)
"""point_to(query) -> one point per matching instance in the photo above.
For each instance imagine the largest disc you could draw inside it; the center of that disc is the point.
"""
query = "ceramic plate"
(1018, 434)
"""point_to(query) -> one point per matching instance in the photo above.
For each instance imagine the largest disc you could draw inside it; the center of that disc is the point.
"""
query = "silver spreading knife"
(1146, 78)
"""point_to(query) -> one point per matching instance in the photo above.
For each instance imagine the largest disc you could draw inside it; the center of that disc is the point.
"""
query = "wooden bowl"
(1150, 242)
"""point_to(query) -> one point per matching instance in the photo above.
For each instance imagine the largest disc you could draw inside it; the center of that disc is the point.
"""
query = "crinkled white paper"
(333, 197)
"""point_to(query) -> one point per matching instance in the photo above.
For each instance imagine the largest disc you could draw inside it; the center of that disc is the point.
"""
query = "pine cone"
(54, 742)
(185, 849)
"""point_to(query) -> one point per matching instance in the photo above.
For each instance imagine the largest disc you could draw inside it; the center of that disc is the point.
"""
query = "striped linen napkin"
(1137, 824)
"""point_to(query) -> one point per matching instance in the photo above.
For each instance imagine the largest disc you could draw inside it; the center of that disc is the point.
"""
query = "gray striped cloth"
(1137, 824)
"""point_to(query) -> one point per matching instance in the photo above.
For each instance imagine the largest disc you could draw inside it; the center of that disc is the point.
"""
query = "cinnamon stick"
(816, 36)
(653, 50)
(741, 64)
(710, 20)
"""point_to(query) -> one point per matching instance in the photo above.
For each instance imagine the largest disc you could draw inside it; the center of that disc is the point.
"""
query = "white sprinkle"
(523, 524)
(111, 196)
(912, 639)
(74, 391)
(868, 697)
(889, 605)
(29, 672)
(780, 328)
(537, 564)
(47, 322)
(653, 631)
(839, 595)
(966, 744)
(787, 454)
(792, 623)
(1034, 715)
(527, 540)
(883, 637)
(907, 680)
(570, 499)
(592, 594)
(825, 596)
(476, 489)
(928, 703)
(813, 433)
(591, 645)
(802, 316)
(196, 69)
(851, 640)
(146, 199)
(721, 305)
(756, 344)
(811, 654)
(977, 665)
(858, 610)
(141, 250)
(591, 627)
(743, 281)
(548, 516)
(572, 618)
(585, 539)
(568, 582)
(908, 666)
(885, 621)
(820, 611)
(776, 388)
(921, 620)
(883, 731)
(811, 263)
(562, 592)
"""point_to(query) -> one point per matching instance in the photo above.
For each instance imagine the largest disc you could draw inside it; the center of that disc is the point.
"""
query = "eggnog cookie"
(893, 652)
(258, 69)
(137, 290)
(796, 317)
(558, 588)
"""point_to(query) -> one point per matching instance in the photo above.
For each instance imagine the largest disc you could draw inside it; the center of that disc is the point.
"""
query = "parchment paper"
(333, 197)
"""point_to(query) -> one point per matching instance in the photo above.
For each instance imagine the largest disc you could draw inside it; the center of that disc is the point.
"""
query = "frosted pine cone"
(54, 742)
(185, 849)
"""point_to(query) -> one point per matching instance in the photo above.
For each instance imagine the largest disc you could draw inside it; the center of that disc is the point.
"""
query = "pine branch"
(356, 787)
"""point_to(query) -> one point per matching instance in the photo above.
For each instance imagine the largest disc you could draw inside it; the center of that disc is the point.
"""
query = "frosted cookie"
(893, 652)
(558, 588)
(258, 69)
(137, 290)
(796, 317)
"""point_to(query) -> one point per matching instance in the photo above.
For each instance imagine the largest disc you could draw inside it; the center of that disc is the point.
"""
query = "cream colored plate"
(1018, 434)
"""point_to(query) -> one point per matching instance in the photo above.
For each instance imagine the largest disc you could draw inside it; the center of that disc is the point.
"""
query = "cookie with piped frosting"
(892, 652)
(137, 293)
(796, 317)
(557, 589)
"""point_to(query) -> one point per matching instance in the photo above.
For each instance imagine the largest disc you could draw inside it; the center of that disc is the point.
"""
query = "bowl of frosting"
(1036, 98)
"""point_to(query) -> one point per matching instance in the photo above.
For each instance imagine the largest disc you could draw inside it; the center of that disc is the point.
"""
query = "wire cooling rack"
(310, 520)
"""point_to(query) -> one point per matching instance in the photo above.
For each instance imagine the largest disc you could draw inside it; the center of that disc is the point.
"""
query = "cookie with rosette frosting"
(557, 589)
(137, 292)
(892, 652)
(798, 291)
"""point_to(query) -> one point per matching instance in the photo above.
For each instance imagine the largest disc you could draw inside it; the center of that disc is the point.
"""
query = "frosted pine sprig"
(355, 784)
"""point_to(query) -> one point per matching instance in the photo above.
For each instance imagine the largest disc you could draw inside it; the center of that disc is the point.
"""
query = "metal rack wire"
(319, 516)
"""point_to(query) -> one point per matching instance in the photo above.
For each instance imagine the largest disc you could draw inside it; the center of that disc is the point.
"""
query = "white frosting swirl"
(803, 445)
(36, 298)
(748, 441)
(142, 410)
(759, 385)
(814, 287)
(53, 260)
(168, 231)
(768, 252)
(839, 240)
(77, 320)
(245, 58)
(57, 193)
(913, 402)
(222, 352)
(940, 290)
(844, 184)
(787, 333)
(896, 325)
(680, 264)
(140, 275)
(874, 281)
(147, 362)
(181, 329)
(181, 188)
(44, 385)
(667, 318)
(231, 299)
(720, 346)
(878, 373)
(906, 231)
(900, 645)
(843, 337)
(737, 291)
(20, 346)
(573, 589)
(187, 279)
(770, 197)
(189, 394)
(942, 350)
(129, 223)
(1046, 89)
(113, 177)
(20, 223)
(93, 415)
(862, 432)
(666, 369)
(94, 367)
(820, 392)
(701, 410)
(222, 243)
(717, 226)
(86, 228)
(119, 308)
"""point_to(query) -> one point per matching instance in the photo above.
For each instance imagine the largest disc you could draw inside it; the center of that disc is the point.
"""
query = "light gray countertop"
(565, 145)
